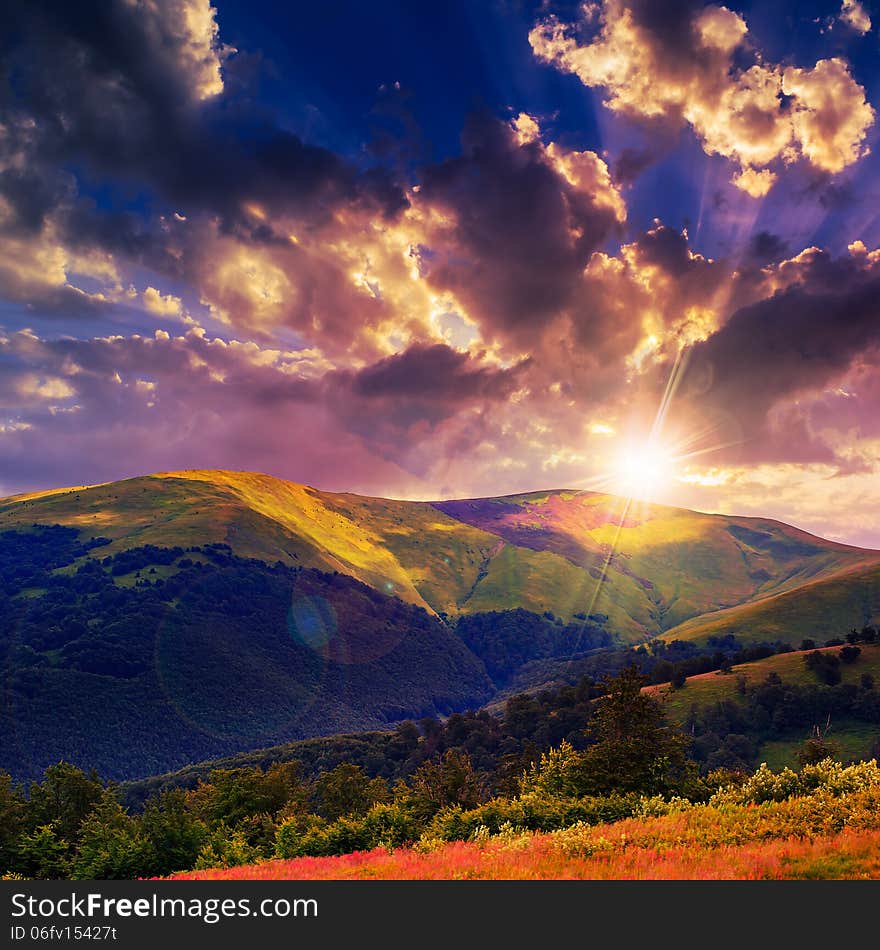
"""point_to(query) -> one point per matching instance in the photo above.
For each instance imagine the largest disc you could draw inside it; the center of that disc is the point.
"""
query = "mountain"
(160, 620)
(151, 658)
(560, 551)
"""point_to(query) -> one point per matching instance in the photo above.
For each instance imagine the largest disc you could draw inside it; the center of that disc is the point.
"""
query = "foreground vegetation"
(627, 769)
(820, 835)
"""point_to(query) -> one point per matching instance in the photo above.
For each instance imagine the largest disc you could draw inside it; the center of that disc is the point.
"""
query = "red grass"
(849, 854)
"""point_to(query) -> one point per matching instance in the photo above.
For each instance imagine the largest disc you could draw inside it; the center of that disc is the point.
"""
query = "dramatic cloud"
(191, 400)
(685, 64)
(512, 223)
(854, 15)
(774, 359)
(133, 91)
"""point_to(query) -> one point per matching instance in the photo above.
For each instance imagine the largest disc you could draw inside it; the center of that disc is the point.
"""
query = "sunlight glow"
(643, 471)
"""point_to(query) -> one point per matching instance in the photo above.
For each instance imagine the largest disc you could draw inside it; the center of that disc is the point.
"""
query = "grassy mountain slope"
(853, 738)
(649, 568)
(818, 609)
(714, 687)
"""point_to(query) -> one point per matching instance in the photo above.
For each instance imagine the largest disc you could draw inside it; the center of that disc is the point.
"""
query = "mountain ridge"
(650, 568)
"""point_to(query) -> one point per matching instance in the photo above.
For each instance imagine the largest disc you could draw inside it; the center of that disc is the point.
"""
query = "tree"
(440, 782)
(560, 772)
(233, 795)
(825, 665)
(63, 799)
(175, 833)
(817, 747)
(634, 749)
(679, 677)
(347, 790)
(112, 845)
(43, 853)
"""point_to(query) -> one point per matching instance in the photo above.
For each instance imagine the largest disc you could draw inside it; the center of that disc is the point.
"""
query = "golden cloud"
(165, 305)
(756, 117)
(854, 15)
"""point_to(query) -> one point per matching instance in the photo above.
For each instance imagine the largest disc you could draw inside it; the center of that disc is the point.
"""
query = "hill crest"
(567, 552)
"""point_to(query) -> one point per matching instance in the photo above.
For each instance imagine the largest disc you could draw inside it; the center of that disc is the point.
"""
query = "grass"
(854, 740)
(543, 581)
(819, 609)
(848, 855)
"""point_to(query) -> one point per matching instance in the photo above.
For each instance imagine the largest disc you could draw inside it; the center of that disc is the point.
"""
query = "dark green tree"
(634, 749)
(443, 781)
(112, 844)
(174, 832)
(347, 790)
(233, 795)
(43, 853)
(63, 799)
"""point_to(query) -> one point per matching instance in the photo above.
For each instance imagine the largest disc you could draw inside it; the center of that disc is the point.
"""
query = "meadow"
(829, 831)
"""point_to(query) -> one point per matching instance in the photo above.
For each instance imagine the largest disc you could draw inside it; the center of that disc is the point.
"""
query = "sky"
(447, 250)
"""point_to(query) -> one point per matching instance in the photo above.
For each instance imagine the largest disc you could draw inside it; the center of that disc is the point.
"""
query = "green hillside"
(154, 657)
(714, 687)
(818, 610)
(657, 571)
(853, 738)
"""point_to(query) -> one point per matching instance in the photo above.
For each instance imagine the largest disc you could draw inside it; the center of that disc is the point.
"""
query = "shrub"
(825, 776)
(343, 836)
(112, 845)
(529, 812)
(390, 825)
(226, 848)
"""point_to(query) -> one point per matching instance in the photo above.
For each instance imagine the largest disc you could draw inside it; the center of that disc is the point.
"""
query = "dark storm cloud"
(134, 92)
(521, 231)
(670, 24)
(794, 344)
(766, 247)
(396, 398)
(666, 248)
(410, 404)
(433, 372)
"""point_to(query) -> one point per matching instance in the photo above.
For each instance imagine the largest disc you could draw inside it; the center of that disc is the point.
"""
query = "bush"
(343, 836)
(226, 848)
(826, 776)
(391, 825)
(112, 845)
(530, 812)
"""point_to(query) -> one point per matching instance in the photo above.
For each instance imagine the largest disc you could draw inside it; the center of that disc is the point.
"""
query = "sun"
(643, 471)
